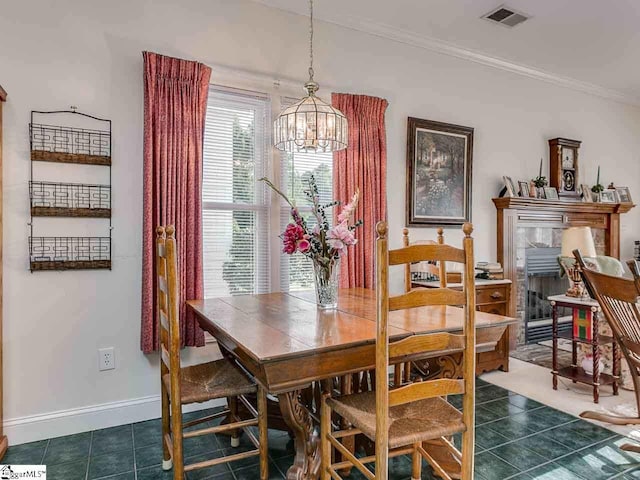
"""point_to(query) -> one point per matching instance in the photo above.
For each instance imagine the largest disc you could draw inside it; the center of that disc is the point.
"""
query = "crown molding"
(439, 46)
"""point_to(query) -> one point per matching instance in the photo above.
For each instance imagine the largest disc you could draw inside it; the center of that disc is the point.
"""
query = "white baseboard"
(76, 420)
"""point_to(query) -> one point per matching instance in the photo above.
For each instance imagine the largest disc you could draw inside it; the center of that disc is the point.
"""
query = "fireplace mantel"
(515, 212)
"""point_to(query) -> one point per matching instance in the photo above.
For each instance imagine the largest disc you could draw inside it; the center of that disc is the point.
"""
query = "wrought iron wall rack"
(74, 145)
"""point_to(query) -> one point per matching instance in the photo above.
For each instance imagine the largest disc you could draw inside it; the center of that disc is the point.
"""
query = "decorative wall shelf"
(50, 143)
(69, 253)
(49, 199)
(74, 145)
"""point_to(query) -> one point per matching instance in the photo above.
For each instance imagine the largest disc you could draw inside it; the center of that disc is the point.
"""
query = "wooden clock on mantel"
(563, 171)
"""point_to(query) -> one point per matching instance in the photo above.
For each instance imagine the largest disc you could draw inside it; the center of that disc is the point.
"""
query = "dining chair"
(399, 420)
(618, 299)
(402, 372)
(199, 383)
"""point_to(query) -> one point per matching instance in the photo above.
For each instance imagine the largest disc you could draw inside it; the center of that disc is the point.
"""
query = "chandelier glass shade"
(310, 124)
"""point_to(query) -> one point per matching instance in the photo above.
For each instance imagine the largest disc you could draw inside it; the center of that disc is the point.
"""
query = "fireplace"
(528, 224)
(541, 280)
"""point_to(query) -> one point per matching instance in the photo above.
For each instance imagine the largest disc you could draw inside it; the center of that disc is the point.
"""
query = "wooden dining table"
(288, 344)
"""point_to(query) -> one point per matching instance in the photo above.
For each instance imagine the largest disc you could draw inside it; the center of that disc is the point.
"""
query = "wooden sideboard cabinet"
(492, 296)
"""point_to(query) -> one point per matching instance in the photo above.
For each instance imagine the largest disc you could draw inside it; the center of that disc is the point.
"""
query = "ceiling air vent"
(506, 16)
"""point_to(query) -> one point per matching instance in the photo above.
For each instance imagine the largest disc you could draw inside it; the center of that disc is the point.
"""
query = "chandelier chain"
(311, 40)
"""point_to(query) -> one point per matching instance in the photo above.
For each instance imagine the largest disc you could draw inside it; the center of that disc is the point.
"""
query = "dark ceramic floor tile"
(68, 471)
(538, 420)
(484, 415)
(491, 467)
(122, 476)
(203, 473)
(111, 440)
(543, 444)
(566, 435)
(487, 438)
(68, 449)
(608, 458)
(589, 466)
(594, 432)
(147, 433)
(149, 456)
(490, 392)
(205, 444)
(280, 444)
(110, 464)
(521, 458)
(551, 471)
(154, 473)
(502, 407)
(26, 454)
(253, 473)
(455, 400)
(523, 402)
(481, 383)
(510, 428)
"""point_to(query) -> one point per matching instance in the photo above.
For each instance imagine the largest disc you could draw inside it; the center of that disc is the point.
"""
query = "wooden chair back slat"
(168, 304)
(421, 390)
(418, 253)
(437, 268)
(164, 355)
(426, 296)
(432, 342)
(443, 343)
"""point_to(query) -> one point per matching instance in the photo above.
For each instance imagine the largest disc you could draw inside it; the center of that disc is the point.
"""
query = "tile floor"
(517, 438)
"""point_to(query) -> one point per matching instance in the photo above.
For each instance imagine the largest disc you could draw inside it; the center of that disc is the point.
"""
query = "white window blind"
(296, 271)
(235, 207)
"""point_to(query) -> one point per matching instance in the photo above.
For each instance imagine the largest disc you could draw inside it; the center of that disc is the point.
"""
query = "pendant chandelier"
(310, 125)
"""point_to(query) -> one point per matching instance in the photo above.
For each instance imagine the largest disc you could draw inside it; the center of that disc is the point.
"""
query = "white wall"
(74, 52)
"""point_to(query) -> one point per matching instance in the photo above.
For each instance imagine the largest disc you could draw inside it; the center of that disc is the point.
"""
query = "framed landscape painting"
(439, 163)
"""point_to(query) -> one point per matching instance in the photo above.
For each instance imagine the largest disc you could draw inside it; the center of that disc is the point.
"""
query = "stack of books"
(490, 271)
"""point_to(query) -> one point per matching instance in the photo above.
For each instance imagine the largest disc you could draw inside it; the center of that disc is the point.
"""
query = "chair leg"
(416, 470)
(263, 433)
(325, 445)
(176, 437)
(167, 463)
(233, 409)
(467, 455)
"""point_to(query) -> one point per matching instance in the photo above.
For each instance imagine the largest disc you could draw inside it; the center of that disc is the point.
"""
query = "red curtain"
(175, 103)
(362, 165)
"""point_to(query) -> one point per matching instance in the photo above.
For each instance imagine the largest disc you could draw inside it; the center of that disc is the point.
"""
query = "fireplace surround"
(530, 223)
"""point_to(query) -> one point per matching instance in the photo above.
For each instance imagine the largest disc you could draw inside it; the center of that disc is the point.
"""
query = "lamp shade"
(310, 125)
(578, 238)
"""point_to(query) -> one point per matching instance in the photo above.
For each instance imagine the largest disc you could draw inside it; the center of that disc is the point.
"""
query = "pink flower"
(290, 237)
(349, 208)
(296, 216)
(304, 245)
(340, 237)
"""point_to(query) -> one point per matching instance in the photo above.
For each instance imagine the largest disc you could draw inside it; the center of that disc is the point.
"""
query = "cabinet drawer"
(495, 308)
(493, 294)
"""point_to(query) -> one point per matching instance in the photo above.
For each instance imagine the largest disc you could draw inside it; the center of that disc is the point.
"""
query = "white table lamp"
(577, 238)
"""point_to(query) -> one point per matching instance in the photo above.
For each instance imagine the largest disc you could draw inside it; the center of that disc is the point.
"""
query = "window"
(235, 209)
(240, 223)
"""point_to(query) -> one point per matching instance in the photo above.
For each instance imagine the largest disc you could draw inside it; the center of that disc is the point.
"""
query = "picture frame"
(439, 173)
(624, 195)
(510, 186)
(523, 187)
(587, 194)
(608, 196)
(551, 193)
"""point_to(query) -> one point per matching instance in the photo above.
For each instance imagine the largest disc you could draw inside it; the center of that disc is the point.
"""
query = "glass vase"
(327, 278)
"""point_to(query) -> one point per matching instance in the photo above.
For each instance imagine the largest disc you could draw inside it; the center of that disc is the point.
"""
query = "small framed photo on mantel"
(608, 196)
(439, 159)
(624, 195)
(550, 193)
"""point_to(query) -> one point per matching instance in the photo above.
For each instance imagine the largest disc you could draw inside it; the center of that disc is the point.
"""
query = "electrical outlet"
(106, 359)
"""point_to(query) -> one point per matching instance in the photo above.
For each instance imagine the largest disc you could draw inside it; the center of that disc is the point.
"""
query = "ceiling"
(590, 45)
